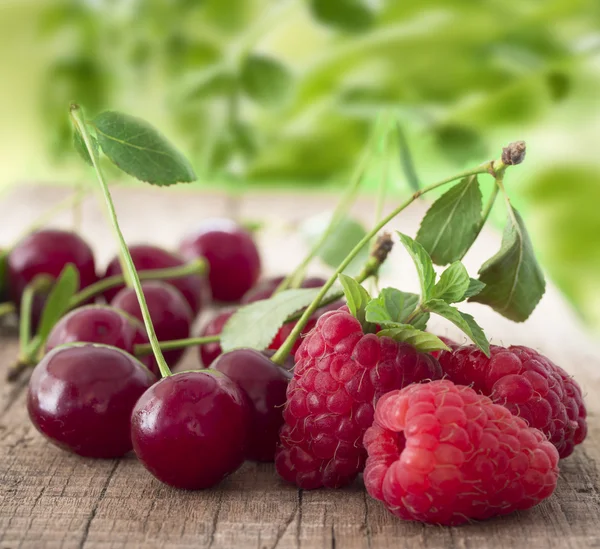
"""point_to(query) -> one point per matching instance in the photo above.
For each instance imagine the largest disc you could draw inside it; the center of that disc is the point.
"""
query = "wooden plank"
(51, 499)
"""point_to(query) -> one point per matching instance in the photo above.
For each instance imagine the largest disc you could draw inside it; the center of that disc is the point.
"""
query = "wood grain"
(52, 499)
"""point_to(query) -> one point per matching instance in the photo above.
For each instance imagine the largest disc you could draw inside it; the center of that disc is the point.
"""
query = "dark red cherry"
(266, 288)
(146, 257)
(190, 429)
(171, 315)
(46, 252)
(210, 351)
(265, 385)
(232, 255)
(81, 397)
(101, 324)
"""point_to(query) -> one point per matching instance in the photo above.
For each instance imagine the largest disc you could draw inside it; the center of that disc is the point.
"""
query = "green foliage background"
(276, 92)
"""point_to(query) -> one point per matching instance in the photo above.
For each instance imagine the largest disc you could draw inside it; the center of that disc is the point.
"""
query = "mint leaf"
(422, 263)
(57, 304)
(420, 320)
(449, 227)
(140, 150)
(391, 307)
(422, 341)
(462, 320)
(265, 80)
(514, 282)
(453, 284)
(357, 299)
(255, 325)
(475, 287)
(347, 15)
(80, 147)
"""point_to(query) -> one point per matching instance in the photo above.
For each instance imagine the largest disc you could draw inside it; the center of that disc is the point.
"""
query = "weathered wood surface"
(51, 499)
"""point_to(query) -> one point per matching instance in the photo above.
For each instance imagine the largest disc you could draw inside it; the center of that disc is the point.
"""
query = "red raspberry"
(444, 454)
(339, 375)
(529, 385)
(450, 342)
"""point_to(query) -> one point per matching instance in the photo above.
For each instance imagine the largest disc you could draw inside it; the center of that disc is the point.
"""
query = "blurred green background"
(283, 92)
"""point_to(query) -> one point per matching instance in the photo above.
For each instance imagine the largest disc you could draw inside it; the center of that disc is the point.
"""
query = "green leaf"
(255, 325)
(453, 284)
(357, 299)
(449, 227)
(462, 320)
(406, 160)
(420, 320)
(514, 282)
(391, 307)
(57, 304)
(140, 150)
(475, 287)
(265, 80)
(461, 144)
(80, 147)
(423, 264)
(210, 83)
(422, 341)
(347, 15)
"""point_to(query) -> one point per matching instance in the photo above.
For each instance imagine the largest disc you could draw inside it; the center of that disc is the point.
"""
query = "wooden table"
(51, 499)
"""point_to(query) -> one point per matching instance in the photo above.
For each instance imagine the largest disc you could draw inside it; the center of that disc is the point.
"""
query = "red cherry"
(190, 429)
(171, 315)
(266, 288)
(232, 255)
(47, 252)
(265, 385)
(145, 258)
(210, 351)
(101, 324)
(81, 397)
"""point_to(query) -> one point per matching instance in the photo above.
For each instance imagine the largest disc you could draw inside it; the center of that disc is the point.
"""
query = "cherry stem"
(493, 167)
(294, 279)
(25, 319)
(130, 271)
(198, 266)
(144, 349)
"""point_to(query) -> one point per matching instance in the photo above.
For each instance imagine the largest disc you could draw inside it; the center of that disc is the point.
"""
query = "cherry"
(265, 384)
(47, 252)
(171, 315)
(210, 351)
(147, 257)
(81, 397)
(232, 255)
(101, 324)
(190, 429)
(266, 288)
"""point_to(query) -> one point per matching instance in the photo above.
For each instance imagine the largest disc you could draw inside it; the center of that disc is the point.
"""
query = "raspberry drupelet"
(339, 375)
(442, 453)
(529, 385)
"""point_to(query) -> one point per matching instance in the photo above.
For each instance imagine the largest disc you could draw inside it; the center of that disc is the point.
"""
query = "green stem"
(196, 267)
(130, 267)
(296, 276)
(25, 319)
(281, 354)
(7, 308)
(146, 349)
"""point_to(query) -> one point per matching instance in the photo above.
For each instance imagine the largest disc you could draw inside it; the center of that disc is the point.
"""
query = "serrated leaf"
(347, 15)
(449, 227)
(422, 263)
(391, 307)
(57, 304)
(453, 284)
(265, 80)
(420, 320)
(422, 341)
(462, 320)
(475, 287)
(357, 299)
(514, 282)
(255, 325)
(140, 150)
(80, 147)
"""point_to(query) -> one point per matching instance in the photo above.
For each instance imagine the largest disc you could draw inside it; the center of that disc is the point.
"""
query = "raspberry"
(450, 342)
(444, 454)
(529, 385)
(339, 375)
